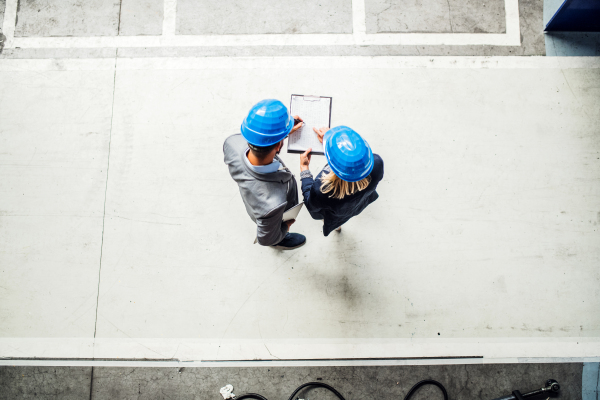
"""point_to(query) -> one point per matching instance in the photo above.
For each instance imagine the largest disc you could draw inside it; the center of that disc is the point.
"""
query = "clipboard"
(292, 213)
(316, 113)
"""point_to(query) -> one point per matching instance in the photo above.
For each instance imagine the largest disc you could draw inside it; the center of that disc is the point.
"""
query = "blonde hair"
(340, 188)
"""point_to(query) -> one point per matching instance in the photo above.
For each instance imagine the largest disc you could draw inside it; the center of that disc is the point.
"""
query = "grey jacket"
(266, 196)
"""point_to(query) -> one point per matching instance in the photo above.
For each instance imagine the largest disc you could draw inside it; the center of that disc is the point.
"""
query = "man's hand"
(297, 126)
(289, 223)
(305, 160)
(320, 133)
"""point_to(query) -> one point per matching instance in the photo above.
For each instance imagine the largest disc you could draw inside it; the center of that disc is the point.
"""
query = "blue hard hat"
(349, 156)
(267, 123)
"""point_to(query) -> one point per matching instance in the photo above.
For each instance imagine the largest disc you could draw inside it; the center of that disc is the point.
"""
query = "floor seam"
(105, 191)
(92, 383)
(119, 24)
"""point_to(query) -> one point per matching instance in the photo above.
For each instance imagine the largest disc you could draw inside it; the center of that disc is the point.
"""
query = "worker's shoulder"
(377, 167)
(233, 146)
(236, 141)
(377, 159)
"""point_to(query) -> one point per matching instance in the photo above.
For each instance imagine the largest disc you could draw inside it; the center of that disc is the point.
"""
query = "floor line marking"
(359, 20)
(513, 26)
(389, 39)
(169, 18)
(10, 22)
(335, 363)
(358, 37)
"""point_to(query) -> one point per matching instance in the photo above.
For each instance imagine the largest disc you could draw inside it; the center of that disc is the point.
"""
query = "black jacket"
(337, 212)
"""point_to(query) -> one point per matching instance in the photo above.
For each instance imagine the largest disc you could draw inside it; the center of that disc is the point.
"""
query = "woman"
(346, 185)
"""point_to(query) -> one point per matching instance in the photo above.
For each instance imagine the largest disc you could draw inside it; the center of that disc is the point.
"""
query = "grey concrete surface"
(2, 7)
(486, 16)
(141, 17)
(66, 162)
(68, 18)
(563, 44)
(463, 382)
(532, 44)
(531, 25)
(532, 30)
(442, 16)
(203, 17)
(57, 53)
(65, 383)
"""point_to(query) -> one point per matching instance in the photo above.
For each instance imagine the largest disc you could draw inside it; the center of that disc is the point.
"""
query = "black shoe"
(291, 241)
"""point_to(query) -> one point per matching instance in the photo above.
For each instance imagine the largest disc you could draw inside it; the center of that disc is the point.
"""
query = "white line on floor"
(405, 39)
(359, 37)
(359, 19)
(169, 18)
(321, 363)
(513, 27)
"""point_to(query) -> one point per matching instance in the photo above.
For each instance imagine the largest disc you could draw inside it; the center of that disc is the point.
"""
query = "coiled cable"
(424, 382)
(250, 396)
(411, 392)
(317, 384)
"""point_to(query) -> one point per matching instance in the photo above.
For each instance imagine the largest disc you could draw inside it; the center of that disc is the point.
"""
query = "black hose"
(411, 392)
(426, 382)
(250, 396)
(318, 384)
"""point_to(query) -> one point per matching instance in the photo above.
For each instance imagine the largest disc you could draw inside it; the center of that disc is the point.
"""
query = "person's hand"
(289, 223)
(320, 133)
(305, 160)
(297, 126)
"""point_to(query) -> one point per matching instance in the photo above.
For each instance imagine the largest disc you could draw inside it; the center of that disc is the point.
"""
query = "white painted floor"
(484, 242)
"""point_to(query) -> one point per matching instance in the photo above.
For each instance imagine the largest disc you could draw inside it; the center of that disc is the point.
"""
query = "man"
(267, 187)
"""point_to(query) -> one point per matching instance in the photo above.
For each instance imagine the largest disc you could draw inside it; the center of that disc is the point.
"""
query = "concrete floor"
(463, 382)
(114, 182)
(123, 237)
(384, 16)
(150, 28)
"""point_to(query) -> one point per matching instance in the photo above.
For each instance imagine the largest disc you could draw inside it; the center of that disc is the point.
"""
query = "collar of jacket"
(283, 175)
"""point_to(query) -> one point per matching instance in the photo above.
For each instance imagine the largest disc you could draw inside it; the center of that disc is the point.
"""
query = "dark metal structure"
(576, 16)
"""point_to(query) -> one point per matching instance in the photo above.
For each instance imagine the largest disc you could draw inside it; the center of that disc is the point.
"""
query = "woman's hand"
(320, 133)
(305, 160)
(297, 126)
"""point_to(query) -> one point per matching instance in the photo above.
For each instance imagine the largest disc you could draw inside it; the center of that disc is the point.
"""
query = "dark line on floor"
(249, 361)
(105, 190)
(92, 384)
(348, 359)
(119, 26)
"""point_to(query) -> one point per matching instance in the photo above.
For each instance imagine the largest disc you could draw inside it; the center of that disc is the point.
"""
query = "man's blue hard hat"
(267, 123)
(349, 156)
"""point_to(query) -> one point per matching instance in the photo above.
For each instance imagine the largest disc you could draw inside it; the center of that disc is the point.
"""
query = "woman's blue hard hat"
(349, 156)
(267, 123)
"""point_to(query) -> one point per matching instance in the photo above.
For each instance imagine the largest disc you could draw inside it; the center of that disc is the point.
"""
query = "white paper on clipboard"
(292, 213)
(315, 111)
